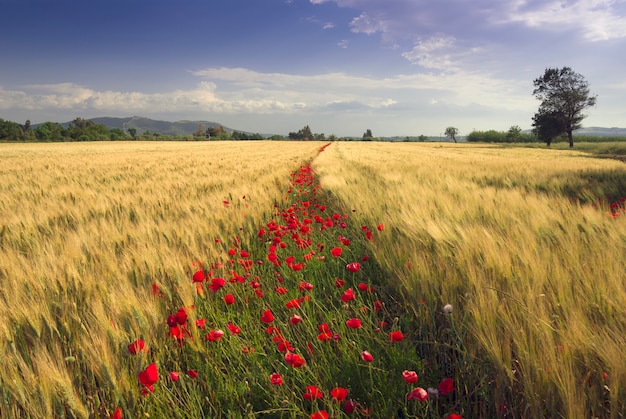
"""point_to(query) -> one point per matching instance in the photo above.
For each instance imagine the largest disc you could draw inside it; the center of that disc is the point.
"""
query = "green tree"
(422, 138)
(367, 135)
(51, 131)
(133, 132)
(451, 133)
(564, 94)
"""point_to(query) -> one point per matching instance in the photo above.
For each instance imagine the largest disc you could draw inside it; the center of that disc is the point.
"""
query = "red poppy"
(348, 295)
(214, 335)
(192, 373)
(295, 319)
(137, 346)
(229, 299)
(181, 316)
(235, 330)
(354, 323)
(339, 283)
(353, 267)
(418, 394)
(453, 416)
(336, 251)
(295, 360)
(396, 336)
(312, 393)
(350, 406)
(446, 386)
(267, 316)
(320, 414)
(295, 303)
(380, 227)
(276, 379)
(306, 286)
(366, 356)
(117, 414)
(201, 323)
(378, 305)
(217, 284)
(149, 376)
(339, 394)
(281, 290)
(174, 375)
(198, 276)
(284, 346)
(409, 376)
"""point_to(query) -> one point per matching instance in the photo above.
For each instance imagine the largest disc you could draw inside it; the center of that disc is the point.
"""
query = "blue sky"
(397, 67)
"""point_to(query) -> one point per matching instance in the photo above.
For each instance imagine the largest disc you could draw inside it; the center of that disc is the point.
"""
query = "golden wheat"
(510, 238)
(85, 229)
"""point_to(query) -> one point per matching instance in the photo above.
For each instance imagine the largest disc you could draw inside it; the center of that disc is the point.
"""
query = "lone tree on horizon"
(564, 94)
(451, 132)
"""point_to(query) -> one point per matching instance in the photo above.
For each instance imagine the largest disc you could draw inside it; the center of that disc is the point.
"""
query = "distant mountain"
(602, 132)
(142, 125)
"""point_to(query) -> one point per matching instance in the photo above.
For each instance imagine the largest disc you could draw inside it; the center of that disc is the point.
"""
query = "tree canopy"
(451, 133)
(564, 94)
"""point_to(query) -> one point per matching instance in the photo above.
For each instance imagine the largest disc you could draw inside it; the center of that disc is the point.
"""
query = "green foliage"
(564, 94)
(303, 134)
(51, 131)
(10, 131)
(493, 136)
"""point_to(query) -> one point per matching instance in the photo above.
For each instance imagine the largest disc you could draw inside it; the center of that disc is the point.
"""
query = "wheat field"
(520, 242)
(516, 240)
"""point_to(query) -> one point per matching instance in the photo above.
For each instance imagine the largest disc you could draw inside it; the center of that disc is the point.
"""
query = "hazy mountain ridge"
(142, 124)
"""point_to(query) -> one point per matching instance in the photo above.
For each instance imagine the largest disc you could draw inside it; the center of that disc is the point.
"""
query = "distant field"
(101, 245)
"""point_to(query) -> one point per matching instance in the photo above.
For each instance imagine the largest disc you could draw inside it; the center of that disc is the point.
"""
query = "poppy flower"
(350, 406)
(214, 335)
(181, 316)
(418, 394)
(380, 227)
(446, 386)
(295, 360)
(235, 330)
(137, 346)
(348, 295)
(336, 251)
(312, 393)
(366, 356)
(217, 284)
(295, 303)
(409, 376)
(281, 290)
(175, 376)
(117, 414)
(229, 299)
(453, 416)
(276, 379)
(396, 336)
(149, 376)
(320, 414)
(305, 286)
(267, 316)
(378, 305)
(354, 323)
(284, 346)
(339, 283)
(339, 394)
(198, 276)
(353, 267)
(192, 373)
(201, 323)
(295, 319)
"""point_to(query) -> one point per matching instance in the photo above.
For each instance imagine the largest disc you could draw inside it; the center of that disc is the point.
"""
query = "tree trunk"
(570, 137)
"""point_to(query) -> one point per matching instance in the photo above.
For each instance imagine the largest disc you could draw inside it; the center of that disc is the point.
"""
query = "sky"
(396, 67)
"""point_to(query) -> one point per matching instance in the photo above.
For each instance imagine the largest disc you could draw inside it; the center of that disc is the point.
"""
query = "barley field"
(302, 279)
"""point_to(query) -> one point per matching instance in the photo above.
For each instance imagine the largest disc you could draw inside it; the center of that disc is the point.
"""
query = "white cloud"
(366, 24)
